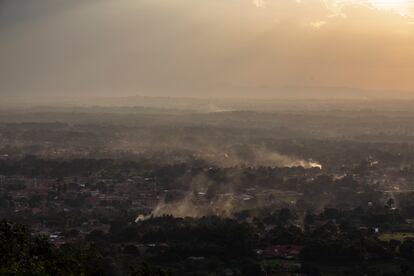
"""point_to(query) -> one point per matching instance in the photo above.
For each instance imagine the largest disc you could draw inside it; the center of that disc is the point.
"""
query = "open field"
(400, 236)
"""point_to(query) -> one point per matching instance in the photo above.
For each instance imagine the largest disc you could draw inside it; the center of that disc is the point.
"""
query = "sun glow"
(402, 7)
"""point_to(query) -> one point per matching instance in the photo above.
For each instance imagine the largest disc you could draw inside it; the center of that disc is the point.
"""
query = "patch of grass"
(279, 266)
(400, 236)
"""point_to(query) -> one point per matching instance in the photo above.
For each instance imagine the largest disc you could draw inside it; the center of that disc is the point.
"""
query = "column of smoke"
(189, 206)
(223, 204)
(254, 156)
(217, 152)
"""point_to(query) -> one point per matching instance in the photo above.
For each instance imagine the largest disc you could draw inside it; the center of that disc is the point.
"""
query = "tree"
(23, 254)
(390, 203)
(144, 269)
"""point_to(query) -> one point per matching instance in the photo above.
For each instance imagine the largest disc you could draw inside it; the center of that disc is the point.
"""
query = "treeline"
(23, 253)
(33, 166)
(199, 246)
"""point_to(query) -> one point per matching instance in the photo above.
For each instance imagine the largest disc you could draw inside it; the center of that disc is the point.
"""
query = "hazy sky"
(204, 47)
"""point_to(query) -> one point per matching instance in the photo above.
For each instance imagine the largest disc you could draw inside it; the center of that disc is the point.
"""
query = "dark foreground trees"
(24, 254)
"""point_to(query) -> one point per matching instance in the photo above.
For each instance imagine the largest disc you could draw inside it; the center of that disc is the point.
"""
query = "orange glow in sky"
(402, 7)
(205, 47)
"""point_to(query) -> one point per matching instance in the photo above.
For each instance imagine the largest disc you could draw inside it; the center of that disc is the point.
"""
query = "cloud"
(401, 7)
(259, 3)
(339, 7)
(317, 24)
